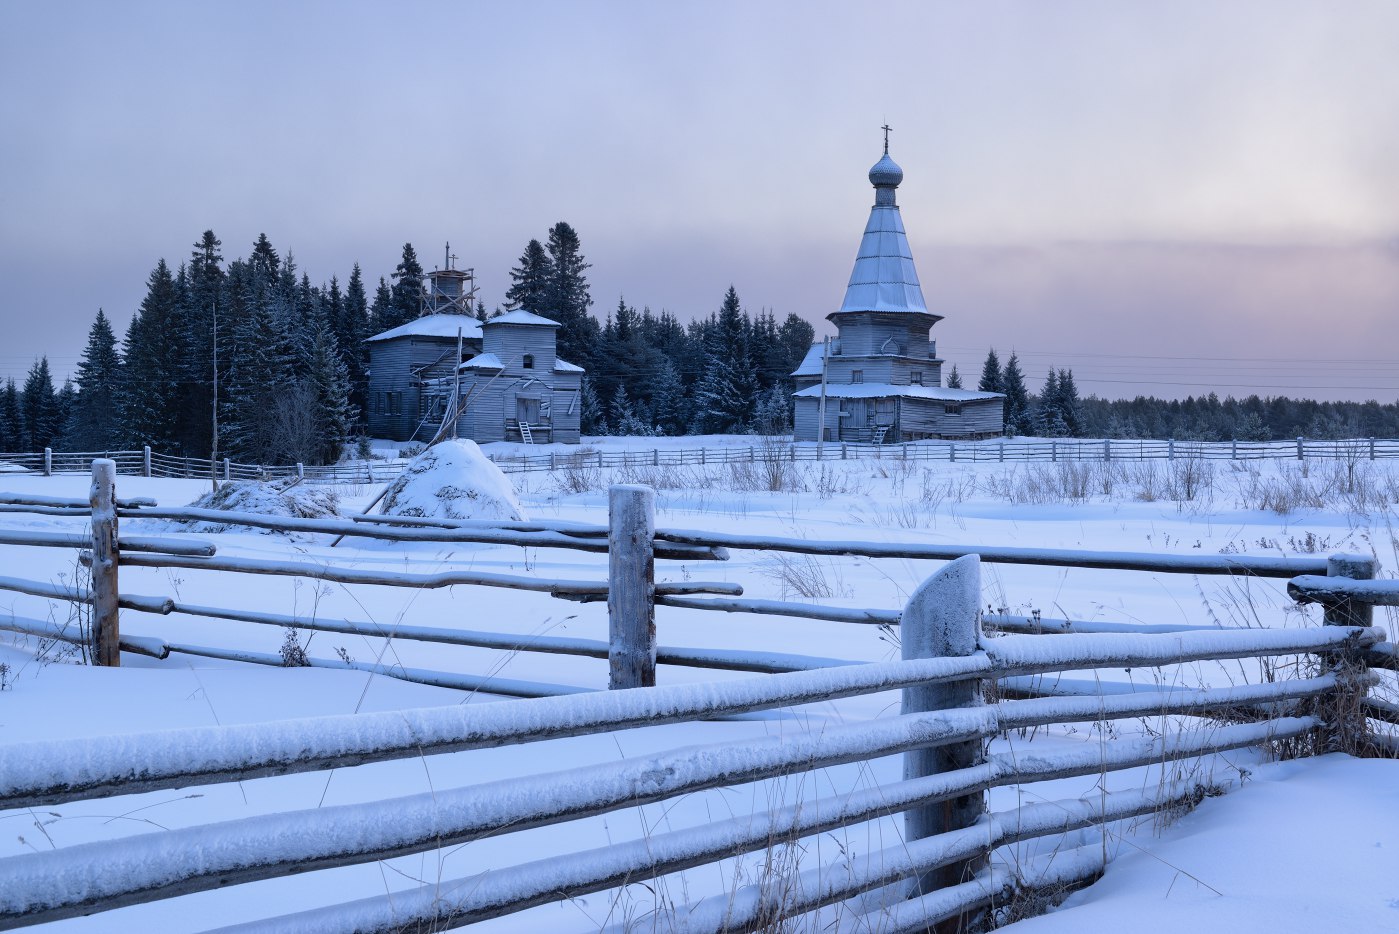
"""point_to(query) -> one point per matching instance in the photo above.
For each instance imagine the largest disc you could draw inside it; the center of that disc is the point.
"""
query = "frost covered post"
(106, 630)
(631, 586)
(145, 460)
(1346, 723)
(943, 619)
(48, 462)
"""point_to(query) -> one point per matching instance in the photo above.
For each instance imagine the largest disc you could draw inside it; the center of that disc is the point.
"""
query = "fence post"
(300, 471)
(1347, 729)
(1372, 447)
(48, 462)
(1171, 449)
(146, 460)
(655, 457)
(631, 586)
(1053, 452)
(952, 452)
(1299, 449)
(1107, 449)
(702, 457)
(1233, 449)
(106, 626)
(942, 619)
(1001, 453)
(843, 453)
(228, 471)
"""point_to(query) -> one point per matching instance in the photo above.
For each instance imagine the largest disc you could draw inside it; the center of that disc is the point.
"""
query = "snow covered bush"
(453, 480)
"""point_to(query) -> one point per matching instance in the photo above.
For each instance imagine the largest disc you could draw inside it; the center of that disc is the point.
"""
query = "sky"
(1168, 198)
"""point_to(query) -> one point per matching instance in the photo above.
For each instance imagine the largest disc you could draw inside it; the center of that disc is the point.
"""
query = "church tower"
(883, 371)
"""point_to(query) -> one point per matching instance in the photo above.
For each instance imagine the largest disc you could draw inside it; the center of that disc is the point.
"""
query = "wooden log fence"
(154, 464)
(942, 616)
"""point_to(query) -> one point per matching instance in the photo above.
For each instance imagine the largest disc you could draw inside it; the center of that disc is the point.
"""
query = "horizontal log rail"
(167, 546)
(214, 754)
(492, 894)
(1335, 591)
(1000, 622)
(1253, 565)
(558, 588)
(498, 534)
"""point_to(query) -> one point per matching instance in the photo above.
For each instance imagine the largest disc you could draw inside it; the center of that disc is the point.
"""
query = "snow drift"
(453, 480)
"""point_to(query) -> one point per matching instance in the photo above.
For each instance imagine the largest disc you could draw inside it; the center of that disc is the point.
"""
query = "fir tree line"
(647, 374)
(247, 360)
(1058, 412)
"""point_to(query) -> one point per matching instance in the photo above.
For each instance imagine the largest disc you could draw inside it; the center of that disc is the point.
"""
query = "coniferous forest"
(249, 359)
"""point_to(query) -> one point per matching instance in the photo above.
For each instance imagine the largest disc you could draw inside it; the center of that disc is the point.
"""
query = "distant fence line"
(150, 463)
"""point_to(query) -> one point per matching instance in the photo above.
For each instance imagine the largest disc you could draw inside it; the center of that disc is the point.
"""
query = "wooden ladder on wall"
(879, 434)
(526, 435)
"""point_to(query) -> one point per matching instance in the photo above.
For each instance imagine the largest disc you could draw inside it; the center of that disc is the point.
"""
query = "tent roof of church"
(884, 278)
(434, 326)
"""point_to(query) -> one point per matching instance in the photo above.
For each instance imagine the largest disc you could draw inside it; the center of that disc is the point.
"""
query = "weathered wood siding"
(927, 418)
(806, 415)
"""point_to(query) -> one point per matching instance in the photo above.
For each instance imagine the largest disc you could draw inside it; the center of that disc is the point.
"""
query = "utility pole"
(821, 409)
(214, 453)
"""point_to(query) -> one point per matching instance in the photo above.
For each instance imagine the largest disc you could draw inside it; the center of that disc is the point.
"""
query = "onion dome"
(886, 173)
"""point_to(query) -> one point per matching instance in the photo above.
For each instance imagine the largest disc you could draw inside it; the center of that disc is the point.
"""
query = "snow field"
(869, 500)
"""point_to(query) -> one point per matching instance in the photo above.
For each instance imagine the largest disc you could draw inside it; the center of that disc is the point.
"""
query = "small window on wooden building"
(915, 378)
(857, 376)
(529, 361)
(952, 408)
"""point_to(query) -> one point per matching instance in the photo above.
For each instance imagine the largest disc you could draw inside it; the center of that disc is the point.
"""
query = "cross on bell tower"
(886, 128)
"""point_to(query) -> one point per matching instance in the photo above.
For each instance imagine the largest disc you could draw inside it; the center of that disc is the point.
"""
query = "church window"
(857, 376)
(529, 361)
(916, 378)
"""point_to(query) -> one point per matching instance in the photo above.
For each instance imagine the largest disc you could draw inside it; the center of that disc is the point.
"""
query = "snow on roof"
(485, 361)
(884, 390)
(811, 363)
(563, 366)
(520, 316)
(434, 326)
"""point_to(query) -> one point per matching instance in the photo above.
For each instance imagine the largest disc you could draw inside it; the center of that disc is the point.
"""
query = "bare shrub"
(292, 651)
(803, 575)
(577, 472)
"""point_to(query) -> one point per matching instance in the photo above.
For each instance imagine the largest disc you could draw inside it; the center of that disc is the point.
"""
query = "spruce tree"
(990, 373)
(13, 436)
(330, 383)
(407, 290)
(1049, 416)
(381, 313)
(39, 402)
(199, 320)
(568, 298)
(1070, 406)
(153, 374)
(531, 280)
(354, 328)
(93, 424)
(1017, 404)
(954, 379)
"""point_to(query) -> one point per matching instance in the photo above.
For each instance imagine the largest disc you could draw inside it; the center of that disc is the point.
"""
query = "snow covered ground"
(1295, 846)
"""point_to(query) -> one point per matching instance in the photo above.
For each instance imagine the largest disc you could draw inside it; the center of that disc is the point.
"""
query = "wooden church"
(881, 380)
(503, 376)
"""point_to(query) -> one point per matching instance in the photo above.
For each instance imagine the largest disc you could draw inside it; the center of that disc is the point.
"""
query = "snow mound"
(281, 497)
(453, 480)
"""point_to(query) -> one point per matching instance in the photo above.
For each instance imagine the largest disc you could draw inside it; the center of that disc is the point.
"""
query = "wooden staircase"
(526, 435)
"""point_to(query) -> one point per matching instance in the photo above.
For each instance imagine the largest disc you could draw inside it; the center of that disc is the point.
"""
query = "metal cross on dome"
(886, 128)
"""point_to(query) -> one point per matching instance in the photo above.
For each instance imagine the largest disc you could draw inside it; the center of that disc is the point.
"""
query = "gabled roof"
(884, 278)
(484, 361)
(885, 390)
(520, 316)
(434, 326)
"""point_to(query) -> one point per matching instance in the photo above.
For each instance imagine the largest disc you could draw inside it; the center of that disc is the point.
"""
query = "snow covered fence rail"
(105, 875)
